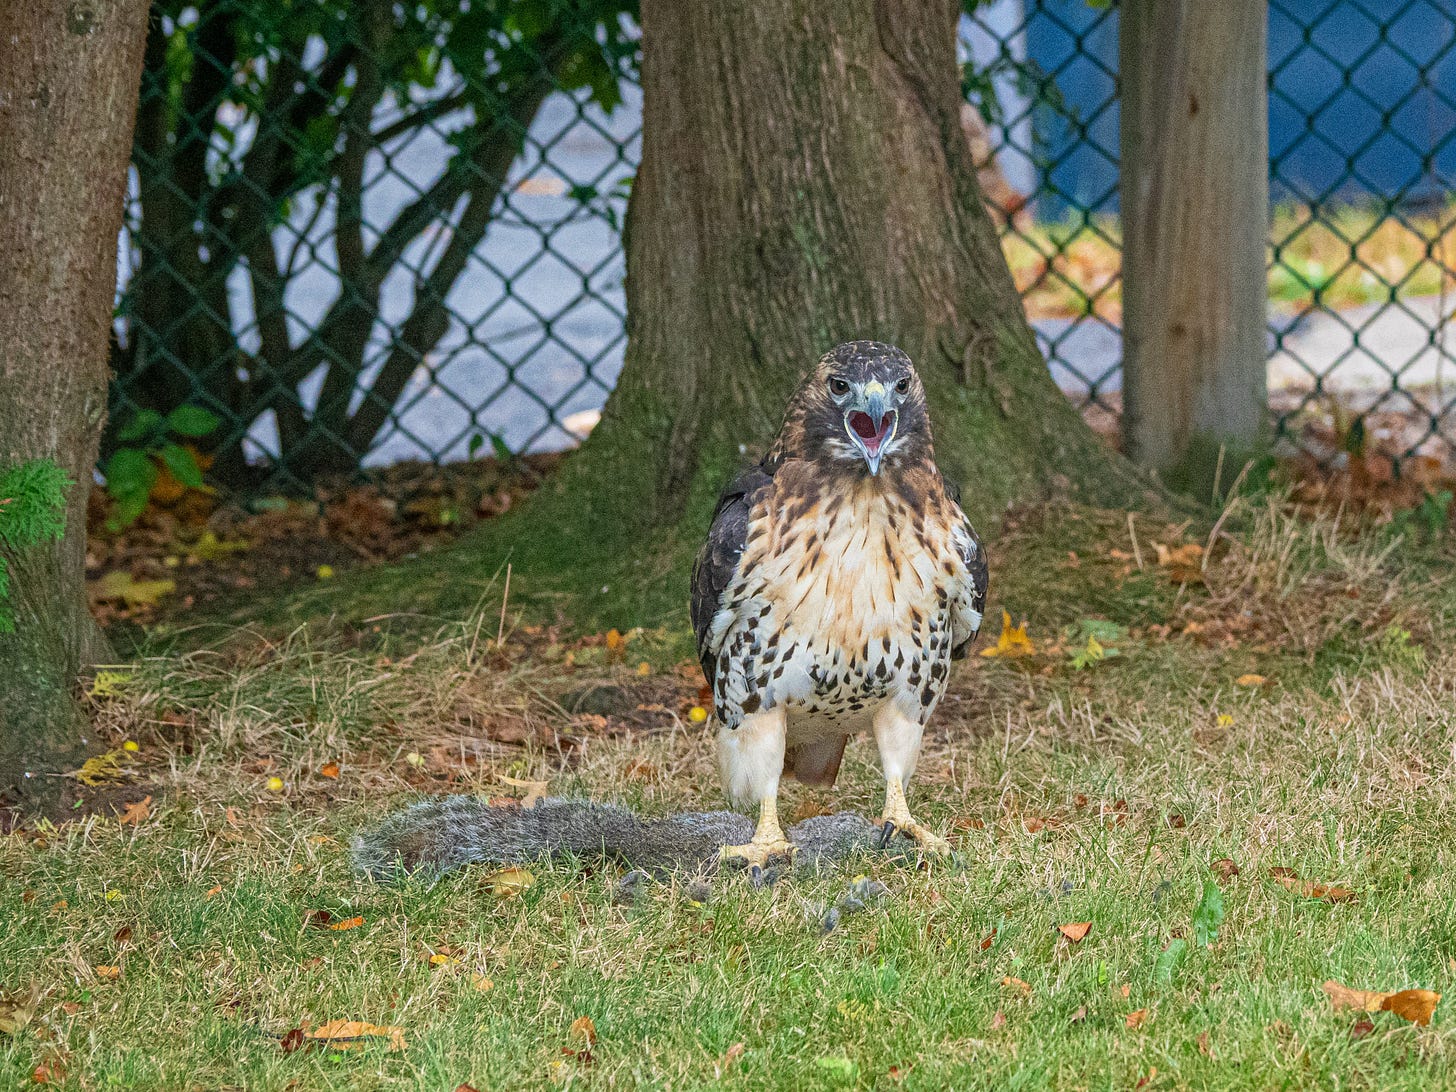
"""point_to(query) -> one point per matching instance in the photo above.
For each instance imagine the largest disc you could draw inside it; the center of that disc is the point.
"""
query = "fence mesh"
(363, 234)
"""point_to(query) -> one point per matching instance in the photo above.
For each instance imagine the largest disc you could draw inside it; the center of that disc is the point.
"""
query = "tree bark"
(1195, 207)
(805, 181)
(69, 71)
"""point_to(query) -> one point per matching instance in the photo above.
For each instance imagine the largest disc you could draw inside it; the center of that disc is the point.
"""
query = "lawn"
(1248, 793)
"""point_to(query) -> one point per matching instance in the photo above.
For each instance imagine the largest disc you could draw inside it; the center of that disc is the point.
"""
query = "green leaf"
(142, 423)
(192, 421)
(1170, 961)
(1209, 915)
(130, 473)
(503, 453)
(183, 465)
(477, 441)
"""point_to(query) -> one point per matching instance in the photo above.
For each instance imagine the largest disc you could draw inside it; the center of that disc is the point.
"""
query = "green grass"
(1100, 795)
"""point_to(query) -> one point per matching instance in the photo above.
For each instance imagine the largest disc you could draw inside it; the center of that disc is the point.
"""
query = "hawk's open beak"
(870, 422)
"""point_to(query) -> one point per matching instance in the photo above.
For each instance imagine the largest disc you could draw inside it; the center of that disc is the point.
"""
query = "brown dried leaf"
(1417, 1006)
(292, 1040)
(1079, 1015)
(1016, 985)
(318, 919)
(122, 935)
(330, 770)
(1074, 931)
(1137, 1018)
(1224, 868)
(998, 1021)
(1311, 890)
(535, 790)
(1250, 680)
(108, 971)
(136, 813)
(988, 940)
(355, 1034)
(1344, 997)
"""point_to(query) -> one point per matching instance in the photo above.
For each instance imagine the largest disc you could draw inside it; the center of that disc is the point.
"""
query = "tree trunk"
(1195, 208)
(69, 71)
(806, 181)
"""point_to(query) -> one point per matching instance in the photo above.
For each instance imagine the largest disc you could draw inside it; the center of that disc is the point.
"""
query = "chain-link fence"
(363, 234)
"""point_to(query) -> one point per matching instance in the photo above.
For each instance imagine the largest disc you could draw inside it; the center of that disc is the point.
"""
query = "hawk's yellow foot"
(768, 839)
(897, 817)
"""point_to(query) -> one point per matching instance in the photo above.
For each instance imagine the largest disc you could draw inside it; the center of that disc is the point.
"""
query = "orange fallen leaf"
(1183, 562)
(988, 940)
(583, 1029)
(107, 971)
(1250, 680)
(330, 770)
(347, 923)
(1137, 1018)
(1308, 888)
(355, 1035)
(1417, 1006)
(215, 889)
(1017, 985)
(1345, 997)
(135, 813)
(1074, 931)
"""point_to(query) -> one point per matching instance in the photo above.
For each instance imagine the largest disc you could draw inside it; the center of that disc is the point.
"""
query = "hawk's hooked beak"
(870, 421)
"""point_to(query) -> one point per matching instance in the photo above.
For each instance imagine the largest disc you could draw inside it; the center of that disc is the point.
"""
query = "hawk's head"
(862, 404)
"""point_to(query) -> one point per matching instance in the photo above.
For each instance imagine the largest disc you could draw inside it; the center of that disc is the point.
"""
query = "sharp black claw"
(887, 831)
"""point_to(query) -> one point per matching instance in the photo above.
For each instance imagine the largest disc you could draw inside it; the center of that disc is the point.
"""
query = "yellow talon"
(897, 817)
(768, 839)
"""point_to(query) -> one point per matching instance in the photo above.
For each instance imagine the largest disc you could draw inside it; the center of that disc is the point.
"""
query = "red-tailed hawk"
(839, 579)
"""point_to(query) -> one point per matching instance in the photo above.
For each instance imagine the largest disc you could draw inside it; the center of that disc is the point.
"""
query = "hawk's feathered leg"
(752, 759)
(898, 737)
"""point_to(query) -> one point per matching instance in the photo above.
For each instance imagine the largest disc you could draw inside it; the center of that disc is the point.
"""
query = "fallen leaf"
(355, 1034)
(292, 1040)
(135, 813)
(122, 935)
(347, 923)
(108, 684)
(989, 939)
(1417, 1006)
(1013, 640)
(1079, 1015)
(330, 770)
(1309, 889)
(1344, 997)
(731, 1055)
(215, 889)
(481, 983)
(1209, 916)
(318, 919)
(1361, 1028)
(1137, 1018)
(1224, 868)
(48, 1073)
(998, 1021)
(463, 1087)
(1184, 562)
(535, 790)
(1075, 931)
(121, 586)
(1017, 985)
(509, 882)
(108, 971)
(1250, 680)
(583, 1029)
(1177, 822)
(1203, 1045)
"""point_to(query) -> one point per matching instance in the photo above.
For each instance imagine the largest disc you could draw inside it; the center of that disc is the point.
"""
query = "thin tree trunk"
(69, 71)
(1195, 207)
(805, 181)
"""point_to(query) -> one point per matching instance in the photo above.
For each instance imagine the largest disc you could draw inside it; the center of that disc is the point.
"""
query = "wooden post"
(1195, 212)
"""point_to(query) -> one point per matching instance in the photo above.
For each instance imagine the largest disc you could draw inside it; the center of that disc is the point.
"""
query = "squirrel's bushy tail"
(438, 835)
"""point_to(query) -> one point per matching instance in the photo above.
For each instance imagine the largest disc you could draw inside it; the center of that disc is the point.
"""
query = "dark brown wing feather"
(718, 560)
(976, 565)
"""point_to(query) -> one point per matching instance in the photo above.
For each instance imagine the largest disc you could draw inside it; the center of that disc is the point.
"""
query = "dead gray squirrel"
(436, 836)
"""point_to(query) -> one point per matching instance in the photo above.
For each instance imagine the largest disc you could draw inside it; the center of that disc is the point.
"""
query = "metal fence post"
(1195, 205)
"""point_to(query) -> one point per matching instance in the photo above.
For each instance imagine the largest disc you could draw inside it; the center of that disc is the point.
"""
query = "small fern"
(32, 511)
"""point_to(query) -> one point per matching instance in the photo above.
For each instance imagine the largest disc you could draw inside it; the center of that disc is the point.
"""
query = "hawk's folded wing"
(969, 599)
(717, 561)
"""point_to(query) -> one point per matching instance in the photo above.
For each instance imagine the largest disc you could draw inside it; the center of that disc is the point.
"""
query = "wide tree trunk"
(805, 181)
(69, 71)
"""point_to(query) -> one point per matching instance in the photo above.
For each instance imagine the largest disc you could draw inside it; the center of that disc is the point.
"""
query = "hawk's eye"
(903, 385)
(838, 386)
